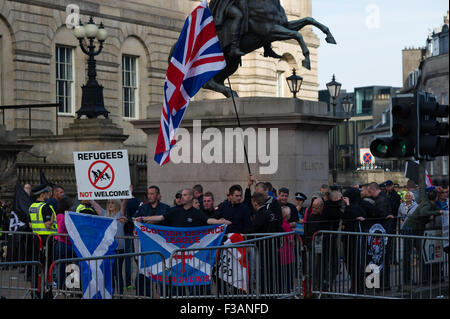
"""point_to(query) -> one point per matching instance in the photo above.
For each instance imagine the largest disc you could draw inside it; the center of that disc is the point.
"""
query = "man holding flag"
(197, 58)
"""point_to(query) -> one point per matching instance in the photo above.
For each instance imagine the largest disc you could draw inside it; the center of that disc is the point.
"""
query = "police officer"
(85, 208)
(42, 223)
(42, 215)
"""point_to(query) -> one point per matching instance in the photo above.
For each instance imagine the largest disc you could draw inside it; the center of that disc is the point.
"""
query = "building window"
(364, 101)
(129, 86)
(280, 84)
(64, 79)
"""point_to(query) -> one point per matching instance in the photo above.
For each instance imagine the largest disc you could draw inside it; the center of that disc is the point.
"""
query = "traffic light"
(403, 139)
(430, 143)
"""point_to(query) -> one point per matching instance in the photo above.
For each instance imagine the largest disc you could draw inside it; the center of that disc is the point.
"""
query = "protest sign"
(102, 174)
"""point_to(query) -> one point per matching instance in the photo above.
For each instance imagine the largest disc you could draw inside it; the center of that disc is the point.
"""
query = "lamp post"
(334, 88)
(294, 82)
(92, 104)
(347, 106)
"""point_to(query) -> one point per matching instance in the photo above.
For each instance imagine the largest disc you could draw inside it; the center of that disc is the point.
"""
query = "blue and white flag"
(189, 268)
(93, 236)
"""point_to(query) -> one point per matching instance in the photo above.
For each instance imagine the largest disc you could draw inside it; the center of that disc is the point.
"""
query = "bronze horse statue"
(267, 23)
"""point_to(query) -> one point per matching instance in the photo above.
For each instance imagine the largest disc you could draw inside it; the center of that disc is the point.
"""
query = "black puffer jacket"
(353, 210)
(331, 214)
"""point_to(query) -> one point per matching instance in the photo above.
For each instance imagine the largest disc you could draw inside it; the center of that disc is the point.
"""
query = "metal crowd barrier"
(21, 261)
(68, 274)
(263, 265)
(353, 264)
(230, 276)
(15, 284)
(282, 266)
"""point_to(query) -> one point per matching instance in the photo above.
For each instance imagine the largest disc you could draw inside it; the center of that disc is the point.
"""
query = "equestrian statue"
(244, 26)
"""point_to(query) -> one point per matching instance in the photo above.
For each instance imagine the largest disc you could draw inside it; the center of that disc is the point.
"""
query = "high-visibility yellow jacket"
(83, 207)
(37, 221)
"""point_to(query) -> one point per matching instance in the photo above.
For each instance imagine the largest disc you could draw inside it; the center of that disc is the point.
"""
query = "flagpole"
(239, 125)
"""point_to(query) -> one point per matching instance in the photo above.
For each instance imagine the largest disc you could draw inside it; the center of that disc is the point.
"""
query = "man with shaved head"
(314, 222)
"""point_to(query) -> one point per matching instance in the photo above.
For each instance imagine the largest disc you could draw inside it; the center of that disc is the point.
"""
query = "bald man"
(314, 222)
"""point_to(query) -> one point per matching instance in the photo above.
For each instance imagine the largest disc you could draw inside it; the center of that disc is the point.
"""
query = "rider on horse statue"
(237, 12)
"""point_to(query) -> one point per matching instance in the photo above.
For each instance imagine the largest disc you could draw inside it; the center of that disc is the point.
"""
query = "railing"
(63, 174)
(336, 264)
(364, 265)
(30, 107)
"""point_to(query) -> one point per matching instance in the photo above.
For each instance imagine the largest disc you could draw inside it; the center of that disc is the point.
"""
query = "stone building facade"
(41, 61)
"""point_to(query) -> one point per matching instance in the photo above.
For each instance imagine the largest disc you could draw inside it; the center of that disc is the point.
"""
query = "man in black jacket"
(272, 204)
(268, 254)
(262, 216)
(314, 223)
(333, 210)
(235, 211)
(332, 214)
(395, 200)
(208, 205)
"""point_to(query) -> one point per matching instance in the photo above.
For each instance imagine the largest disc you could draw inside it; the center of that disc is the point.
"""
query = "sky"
(370, 37)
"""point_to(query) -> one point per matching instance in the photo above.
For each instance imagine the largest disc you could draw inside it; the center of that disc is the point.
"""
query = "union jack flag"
(196, 59)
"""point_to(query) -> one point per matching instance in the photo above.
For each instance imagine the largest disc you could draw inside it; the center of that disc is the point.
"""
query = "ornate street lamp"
(294, 82)
(334, 88)
(347, 106)
(92, 104)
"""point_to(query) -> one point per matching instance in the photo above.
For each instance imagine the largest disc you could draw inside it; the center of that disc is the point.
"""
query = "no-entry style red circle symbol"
(367, 158)
(101, 175)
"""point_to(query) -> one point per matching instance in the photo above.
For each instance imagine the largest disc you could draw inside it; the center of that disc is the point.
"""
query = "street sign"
(102, 174)
(365, 156)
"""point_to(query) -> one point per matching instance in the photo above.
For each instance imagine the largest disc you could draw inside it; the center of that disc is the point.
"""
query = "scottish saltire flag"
(189, 268)
(197, 58)
(93, 236)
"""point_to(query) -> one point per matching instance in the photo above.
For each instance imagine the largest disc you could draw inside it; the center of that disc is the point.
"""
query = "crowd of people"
(260, 208)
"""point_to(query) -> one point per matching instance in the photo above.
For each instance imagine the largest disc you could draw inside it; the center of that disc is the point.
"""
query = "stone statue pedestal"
(81, 135)
(298, 151)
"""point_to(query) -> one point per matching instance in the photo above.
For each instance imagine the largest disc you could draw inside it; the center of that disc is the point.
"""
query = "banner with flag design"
(189, 268)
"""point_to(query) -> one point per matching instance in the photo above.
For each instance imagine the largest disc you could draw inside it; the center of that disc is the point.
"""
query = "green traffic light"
(382, 148)
(403, 148)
